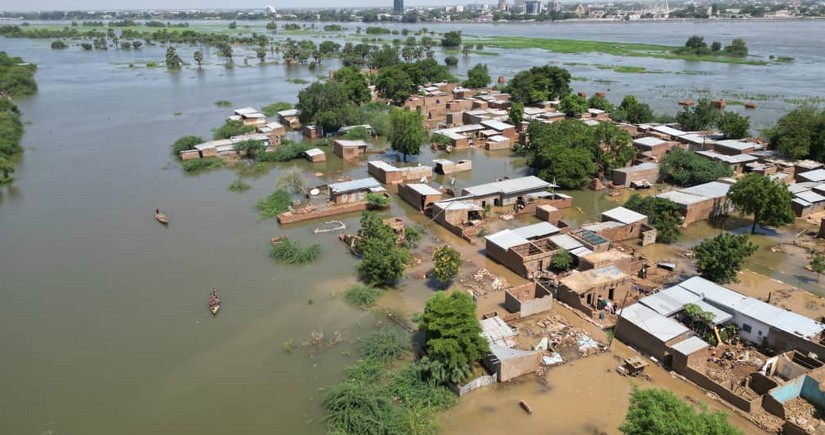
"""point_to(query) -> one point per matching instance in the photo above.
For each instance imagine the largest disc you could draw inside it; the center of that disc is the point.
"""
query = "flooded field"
(105, 325)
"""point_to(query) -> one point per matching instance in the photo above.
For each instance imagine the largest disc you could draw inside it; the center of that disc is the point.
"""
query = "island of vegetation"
(16, 81)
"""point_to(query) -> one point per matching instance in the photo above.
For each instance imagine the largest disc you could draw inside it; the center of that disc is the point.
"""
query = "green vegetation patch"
(292, 253)
(223, 103)
(199, 165)
(363, 296)
(274, 204)
(239, 186)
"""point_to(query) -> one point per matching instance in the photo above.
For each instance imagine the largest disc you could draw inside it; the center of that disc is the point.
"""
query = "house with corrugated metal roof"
(701, 202)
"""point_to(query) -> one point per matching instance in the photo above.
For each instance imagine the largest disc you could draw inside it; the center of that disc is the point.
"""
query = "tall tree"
(453, 335)
(733, 125)
(355, 84)
(393, 83)
(516, 116)
(660, 412)
(719, 259)
(573, 105)
(173, 61)
(382, 260)
(477, 77)
(699, 117)
(769, 202)
(599, 102)
(447, 263)
(663, 214)
(685, 168)
(407, 132)
(800, 133)
(539, 83)
(817, 264)
(198, 56)
(633, 111)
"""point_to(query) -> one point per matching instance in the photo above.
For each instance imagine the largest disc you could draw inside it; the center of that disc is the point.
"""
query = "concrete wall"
(479, 382)
(288, 217)
(421, 202)
(639, 339)
(528, 299)
(706, 209)
(727, 395)
(761, 384)
(781, 341)
(513, 367)
(624, 176)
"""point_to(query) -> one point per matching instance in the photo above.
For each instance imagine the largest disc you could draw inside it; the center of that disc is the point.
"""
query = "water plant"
(292, 253)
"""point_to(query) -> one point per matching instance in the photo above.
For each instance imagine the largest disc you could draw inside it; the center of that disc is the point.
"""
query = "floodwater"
(104, 322)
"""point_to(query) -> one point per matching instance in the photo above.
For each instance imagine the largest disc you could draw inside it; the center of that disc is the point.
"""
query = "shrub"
(186, 143)
(357, 133)
(274, 108)
(232, 128)
(274, 204)
(363, 296)
(202, 164)
(384, 345)
(223, 103)
(292, 253)
(284, 153)
(451, 61)
(239, 186)
(377, 201)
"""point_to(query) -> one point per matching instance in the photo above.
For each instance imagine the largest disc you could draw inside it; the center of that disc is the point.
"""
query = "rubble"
(805, 415)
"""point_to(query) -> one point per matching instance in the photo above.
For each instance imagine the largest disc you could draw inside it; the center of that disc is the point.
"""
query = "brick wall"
(288, 217)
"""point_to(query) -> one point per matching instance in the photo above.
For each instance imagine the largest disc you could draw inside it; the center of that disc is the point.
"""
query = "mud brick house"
(653, 147)
(447, 167)
(249, 117)
(505, 192)
(389, 174)
(353, 191)
(620, 224)
(315, 155)
(526, 250)
(290, 118)
(642, 172)
(648, 331)
(349, 149)
(421, 196)
(583, 290)
(528, 299)
(701, 202)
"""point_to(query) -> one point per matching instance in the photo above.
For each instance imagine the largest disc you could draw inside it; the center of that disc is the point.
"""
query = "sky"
(63, 5)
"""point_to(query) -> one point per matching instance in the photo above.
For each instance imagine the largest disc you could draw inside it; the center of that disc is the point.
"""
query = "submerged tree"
(447, 263)
(719, 259)
(173, 61)
(664, 215)
(768, 201)
(407, 132)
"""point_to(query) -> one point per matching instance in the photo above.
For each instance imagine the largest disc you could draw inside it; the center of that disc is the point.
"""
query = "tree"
(394, 84)
(173, 61)
(613, 147)
(6, 169)
(699, 117)
(447, 263)
(562, 152)
(516, 116)
(599, 102)
(451, 39)
(573, 105)
(716, 46)
(737, 48)
(232, 128)
(251, 147)
(685, 168)
(226, 52)
(719, 259)
(733, 125)
(451, 61)
(325, 104)
(453, 336)
(382, 260)
(800, 134)
(663, 214)
(260, 52)
(561, 260)
(407, 132)
(59, 45)
(817, 264)
(186, 143)
(695, 42)
(658, 411)
(539, 83)
(477, 77)
(354, 83)
(633, 111)
(768, 201)
(377, 201)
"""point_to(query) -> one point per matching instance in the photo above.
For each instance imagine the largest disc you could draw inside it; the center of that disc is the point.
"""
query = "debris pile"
(805, 415)
(483, 281)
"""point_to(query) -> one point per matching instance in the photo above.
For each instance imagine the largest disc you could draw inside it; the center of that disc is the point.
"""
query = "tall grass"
(384, 345)
(274, 204)
(363, 296)
(284, 153)
(198, 165)
(292, 253)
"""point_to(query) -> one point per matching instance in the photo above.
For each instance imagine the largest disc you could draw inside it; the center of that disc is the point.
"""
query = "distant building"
(554, 6)
(532, 7)
(270, 10)
(398, 6)
(503, 5)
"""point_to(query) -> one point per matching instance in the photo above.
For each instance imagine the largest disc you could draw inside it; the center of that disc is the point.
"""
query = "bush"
(59, 45)
(202, 164)
(384, 345)
(412, 236)
(239, 186)
(292, 253)
(447, 263)
(365, 370)
(274, 204)
(451, 61)
(377, 201)
(357, 408)
(685, 168)
(274, 108)
(410, 386)
(232, 128)
(357, 133)
(186, 143)
(362, 296)
(223, 103)
(284, 153)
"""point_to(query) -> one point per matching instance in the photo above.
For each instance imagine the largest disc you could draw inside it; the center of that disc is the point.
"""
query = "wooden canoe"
(214, 308)
(162, 218)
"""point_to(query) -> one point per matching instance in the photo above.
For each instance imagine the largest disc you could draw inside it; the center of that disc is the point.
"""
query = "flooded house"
(653, 147)
(527, 250)
(808, 198)
(701, 202)
(419, 195)
(353, 191)
(274, 130)
(389, 174)
(738, 163)
(506, 192)
(594, 290)
(461, 217)
(349, 149)
(735, 147)
(528, 299)
(312, 131)
(249, 116)
(290, 118)
(622, 224)
(448, 167)
(637, 174)
(315, 155)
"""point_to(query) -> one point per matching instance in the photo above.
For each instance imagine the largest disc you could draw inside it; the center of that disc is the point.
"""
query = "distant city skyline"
(66, 5)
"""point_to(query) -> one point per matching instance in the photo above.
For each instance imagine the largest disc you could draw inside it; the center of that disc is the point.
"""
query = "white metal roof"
(496, 125)
(458, 205)
(695, 138)
(354, 185)
(637, 168)
(351, 143)
(681, 198)
(669, 131)
(565, 241)
(810, 196)
(689, 346)
(313, 152)
(288, 113)
(649, 141)
(498, 138)
(506, 239)
(735, 144)
(423, 189)
(513, 185)
(817, 175)
(602, 226)
(383, 165)
(719, 316)
(670, 300)
(714, 189)
(541, 229)
(655, 324)
(624, 215)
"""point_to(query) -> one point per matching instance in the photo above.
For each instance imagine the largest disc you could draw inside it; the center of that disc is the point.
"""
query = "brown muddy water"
(104, 323)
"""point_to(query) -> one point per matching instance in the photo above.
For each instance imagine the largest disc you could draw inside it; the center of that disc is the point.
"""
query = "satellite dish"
(314, 192)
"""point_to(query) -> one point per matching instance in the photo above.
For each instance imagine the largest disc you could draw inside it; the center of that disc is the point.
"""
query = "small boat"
(750, 105)
(214, 302)
(161, 217)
